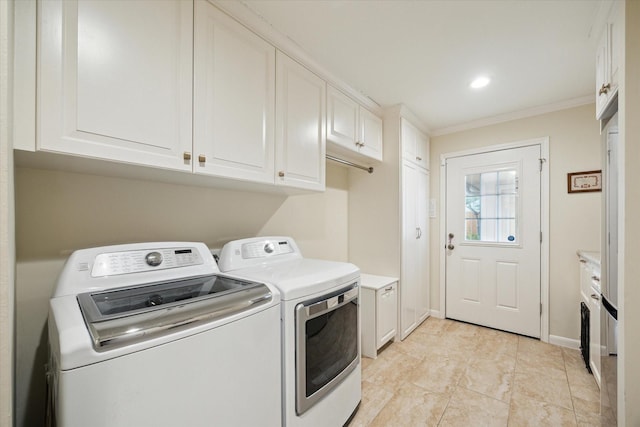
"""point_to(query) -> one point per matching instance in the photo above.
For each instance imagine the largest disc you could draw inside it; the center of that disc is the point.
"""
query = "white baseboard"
(564, 342)
(436, 313)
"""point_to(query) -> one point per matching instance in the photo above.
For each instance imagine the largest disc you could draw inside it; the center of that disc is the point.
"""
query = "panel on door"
(342, 123)
(115, 80)
(493, 227)
(300, 126)
(234, 97)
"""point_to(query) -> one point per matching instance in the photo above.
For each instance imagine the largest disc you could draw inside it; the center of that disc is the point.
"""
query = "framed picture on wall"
(583, 182)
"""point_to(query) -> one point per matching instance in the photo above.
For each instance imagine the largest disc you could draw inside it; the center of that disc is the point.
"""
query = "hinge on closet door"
(541, 237)
(540, 309)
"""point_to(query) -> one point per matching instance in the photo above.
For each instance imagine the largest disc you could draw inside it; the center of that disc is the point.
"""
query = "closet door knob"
(202, 158)
(186, 155)
(281, 174)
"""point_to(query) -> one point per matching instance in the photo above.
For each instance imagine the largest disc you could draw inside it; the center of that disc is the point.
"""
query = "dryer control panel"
(256, 251)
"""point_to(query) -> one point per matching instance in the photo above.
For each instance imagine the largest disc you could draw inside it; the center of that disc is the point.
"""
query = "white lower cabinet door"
(115, 80)
(234, 97)
(300, 126)
(387, 310)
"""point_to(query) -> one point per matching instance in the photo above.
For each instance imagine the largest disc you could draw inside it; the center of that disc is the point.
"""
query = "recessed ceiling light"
(480, 82)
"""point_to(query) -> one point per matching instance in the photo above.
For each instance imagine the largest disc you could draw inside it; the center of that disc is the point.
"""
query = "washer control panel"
(266, 248)
(125, 262)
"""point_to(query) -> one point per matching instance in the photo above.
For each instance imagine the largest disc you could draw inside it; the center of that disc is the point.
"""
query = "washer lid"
(124, 316)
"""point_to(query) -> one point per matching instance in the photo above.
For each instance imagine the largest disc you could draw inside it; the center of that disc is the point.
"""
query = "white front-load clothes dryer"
(153, 335)
(320, 327)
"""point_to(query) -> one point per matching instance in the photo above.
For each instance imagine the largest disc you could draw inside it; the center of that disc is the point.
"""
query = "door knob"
(450, 246)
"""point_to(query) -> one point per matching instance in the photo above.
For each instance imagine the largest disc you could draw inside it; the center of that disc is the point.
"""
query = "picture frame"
(584, 182)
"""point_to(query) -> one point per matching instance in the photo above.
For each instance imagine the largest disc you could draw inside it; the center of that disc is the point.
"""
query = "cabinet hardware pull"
(604, 89)
(281, 174)
(418, 158)
(596, 278)
(595, 297)
(390, 288)
(202, 158)
(584, 261)
(187, 155)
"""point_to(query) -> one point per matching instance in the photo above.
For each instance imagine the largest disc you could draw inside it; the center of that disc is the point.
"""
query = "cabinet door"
(342, 121)
(300, 126)
(408, 138)
(423, 290)
(409, 276)
(387, 314)
(234, 97)
(115, 80)
(422, 150)
(602, 75)
(370, 134)
(594, 335)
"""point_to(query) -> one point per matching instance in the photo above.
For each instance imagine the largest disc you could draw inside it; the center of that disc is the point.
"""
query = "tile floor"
(449, 373)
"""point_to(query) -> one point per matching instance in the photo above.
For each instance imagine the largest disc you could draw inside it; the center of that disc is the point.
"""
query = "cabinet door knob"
(202, 158)
(418, 158)
(595, 297)
(281, 174)
(604, 89)
(186, 155)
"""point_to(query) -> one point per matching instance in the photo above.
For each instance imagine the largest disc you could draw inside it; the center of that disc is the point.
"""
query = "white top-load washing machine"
(152, 334)
(320, 327)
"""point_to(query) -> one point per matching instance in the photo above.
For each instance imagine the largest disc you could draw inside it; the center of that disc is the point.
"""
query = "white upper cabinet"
(353, 127)
(234, 92)
(370, 134)
(415, 144)
(608, 63)
(115, 80)
(300, 126)
(342, 125)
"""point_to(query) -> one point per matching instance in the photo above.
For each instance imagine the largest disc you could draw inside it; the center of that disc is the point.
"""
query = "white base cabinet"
(379, 308)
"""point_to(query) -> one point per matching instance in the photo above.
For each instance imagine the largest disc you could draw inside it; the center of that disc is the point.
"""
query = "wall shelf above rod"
(348, 163)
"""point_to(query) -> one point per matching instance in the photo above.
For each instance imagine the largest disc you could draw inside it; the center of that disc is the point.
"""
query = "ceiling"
(425, 53)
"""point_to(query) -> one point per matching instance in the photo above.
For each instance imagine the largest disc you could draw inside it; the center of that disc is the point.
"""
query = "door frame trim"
(543, 142)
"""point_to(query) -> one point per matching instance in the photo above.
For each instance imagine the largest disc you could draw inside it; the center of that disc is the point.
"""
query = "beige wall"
(629, 332)
(574, 142)
(7, 241)
(58, 212)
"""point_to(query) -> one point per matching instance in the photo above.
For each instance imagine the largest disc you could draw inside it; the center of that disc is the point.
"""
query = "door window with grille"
(491, 207)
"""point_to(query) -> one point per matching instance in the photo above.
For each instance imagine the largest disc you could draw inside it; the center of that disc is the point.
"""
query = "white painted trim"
(543, 142)
(564, 342)
(515, 115)
(437, 314)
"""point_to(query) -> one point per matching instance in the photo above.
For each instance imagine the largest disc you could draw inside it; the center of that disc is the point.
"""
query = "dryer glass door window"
(326, 344)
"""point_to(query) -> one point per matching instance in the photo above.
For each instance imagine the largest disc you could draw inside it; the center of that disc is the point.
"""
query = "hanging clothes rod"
(348, 163)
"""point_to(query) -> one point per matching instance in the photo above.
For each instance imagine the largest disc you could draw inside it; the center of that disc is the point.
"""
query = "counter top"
(371, 281)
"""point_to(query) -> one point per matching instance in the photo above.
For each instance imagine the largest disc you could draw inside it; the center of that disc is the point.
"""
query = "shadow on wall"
(35, 408)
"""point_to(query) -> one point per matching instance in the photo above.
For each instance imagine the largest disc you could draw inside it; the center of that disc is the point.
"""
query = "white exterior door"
(493, 226)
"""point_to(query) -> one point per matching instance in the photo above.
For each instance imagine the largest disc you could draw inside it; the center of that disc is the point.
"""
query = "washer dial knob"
(269, 248)
(153, 259)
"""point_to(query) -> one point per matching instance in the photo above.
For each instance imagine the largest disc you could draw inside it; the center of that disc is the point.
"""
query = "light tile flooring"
(449, 373)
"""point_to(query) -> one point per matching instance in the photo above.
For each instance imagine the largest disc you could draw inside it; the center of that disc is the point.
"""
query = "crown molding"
(516, 115)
